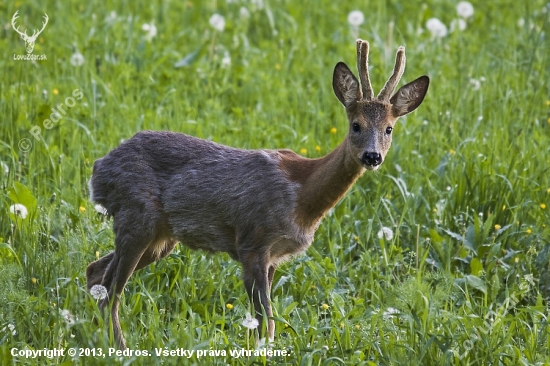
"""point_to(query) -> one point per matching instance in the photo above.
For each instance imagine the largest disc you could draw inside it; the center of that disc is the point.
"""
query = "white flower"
(464, 9)
(244, 13)
(475, 83)
(217, 22)
(436, 27)
(459, 24)
(521, 22)
(98, 292)
(226, 60)
(100, 209)
(77, 59)
(19, 210)
(250, 322)
(385, 232)
(151, 30)
(68, 317)
(356, 18)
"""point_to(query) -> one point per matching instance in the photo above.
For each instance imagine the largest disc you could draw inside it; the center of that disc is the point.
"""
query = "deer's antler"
(398, 69)
(13, 20)
(363, 70)
(35, 33)
(25, 35)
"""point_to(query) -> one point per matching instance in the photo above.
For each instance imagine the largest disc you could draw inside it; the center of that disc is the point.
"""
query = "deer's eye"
(355, 127)
(389, 130)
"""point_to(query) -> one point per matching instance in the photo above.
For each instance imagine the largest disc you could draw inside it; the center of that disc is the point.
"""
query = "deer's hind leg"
(135, 248)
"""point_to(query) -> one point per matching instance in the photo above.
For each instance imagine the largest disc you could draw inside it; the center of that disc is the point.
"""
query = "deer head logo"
(29, 40)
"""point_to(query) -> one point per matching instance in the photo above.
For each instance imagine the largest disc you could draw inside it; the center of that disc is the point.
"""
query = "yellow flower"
(548, 190)
(303, 151)
(277, 66)
(333, 130)
(548, 103)
(516, 259)
(34, 280)
(497, 227)
(357, 326)
(229, 306)
(82, 208)
(452, 152)
(324, 306)
(342, 325)
(97, 255)
(317, 148)
(528, 231)
(55, 91)
(503, 207)
(543, 206)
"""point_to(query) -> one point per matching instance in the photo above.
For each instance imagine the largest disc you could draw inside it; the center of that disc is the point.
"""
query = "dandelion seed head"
(98, 292)
(356, 18)
(67, 316)
(250, 322)
(19, 210)
(217, 22)
(386, 233)
(436, 28)
(77, 59)
(464, 9)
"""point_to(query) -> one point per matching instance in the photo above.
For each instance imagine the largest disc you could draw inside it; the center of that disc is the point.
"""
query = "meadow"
(441, 257)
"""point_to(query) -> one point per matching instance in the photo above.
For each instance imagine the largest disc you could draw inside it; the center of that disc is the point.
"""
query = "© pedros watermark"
(29, 40)
(57, 114)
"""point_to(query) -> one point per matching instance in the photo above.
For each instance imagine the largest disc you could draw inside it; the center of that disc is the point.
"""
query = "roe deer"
(260, 206)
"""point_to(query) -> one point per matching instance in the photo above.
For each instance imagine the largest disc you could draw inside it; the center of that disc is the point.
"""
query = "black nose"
(372, 158)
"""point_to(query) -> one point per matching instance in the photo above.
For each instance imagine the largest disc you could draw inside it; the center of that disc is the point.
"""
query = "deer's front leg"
(257, 280)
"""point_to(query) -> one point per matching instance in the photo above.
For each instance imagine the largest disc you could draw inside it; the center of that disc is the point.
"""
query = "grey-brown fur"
(260, 206)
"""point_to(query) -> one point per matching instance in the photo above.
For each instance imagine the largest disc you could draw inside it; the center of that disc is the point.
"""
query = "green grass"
(465, 188)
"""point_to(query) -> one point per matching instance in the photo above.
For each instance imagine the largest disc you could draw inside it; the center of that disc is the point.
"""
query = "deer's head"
(29, 40)
(371, 120)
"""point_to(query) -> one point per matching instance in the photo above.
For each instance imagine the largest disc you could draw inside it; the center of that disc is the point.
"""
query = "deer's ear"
(345, 85)
(409, 96)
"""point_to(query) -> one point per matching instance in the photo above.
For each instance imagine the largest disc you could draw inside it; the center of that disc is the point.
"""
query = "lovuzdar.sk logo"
(29, 40)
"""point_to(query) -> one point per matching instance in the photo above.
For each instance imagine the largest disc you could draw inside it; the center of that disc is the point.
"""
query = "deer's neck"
(323, 182)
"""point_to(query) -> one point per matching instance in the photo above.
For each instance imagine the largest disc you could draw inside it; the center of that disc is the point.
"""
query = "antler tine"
(43, 24)
(13, 20)
(363, 69)
(398, 69)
